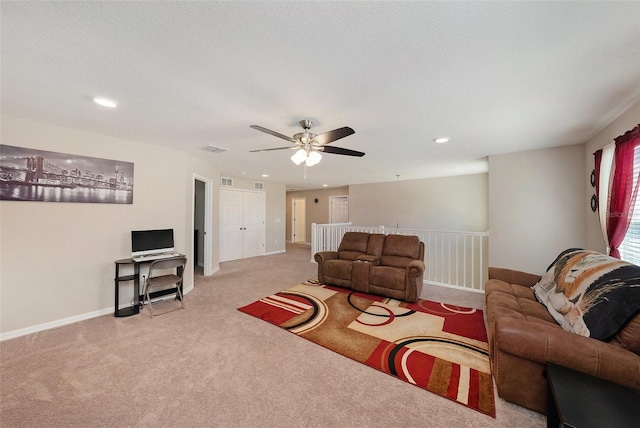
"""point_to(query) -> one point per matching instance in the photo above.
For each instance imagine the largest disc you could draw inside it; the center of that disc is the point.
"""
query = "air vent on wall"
(258, 185)
(215, 149)
(226, 182)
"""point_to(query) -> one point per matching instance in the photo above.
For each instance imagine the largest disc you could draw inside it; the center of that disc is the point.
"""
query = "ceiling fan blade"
(274, 133)
(341, 151)
(275, 148)
(336, 134)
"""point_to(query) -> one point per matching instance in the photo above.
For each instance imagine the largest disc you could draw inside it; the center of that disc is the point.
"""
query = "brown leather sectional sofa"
(524, 337)
(387, 265)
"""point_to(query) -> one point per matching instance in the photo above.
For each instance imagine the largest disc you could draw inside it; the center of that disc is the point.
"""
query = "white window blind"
(630, 247)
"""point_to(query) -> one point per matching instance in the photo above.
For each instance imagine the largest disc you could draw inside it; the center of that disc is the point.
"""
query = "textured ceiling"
(495, 77)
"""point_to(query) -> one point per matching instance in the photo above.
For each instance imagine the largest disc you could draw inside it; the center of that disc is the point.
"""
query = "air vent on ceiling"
(258, 185)
(226, 182)
(215, 149)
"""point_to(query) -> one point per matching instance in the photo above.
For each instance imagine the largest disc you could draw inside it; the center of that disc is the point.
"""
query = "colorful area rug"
(441, 348)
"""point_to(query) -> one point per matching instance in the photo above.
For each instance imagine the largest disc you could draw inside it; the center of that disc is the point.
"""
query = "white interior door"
(339, 210)
(231, 206)
(299, 221)
(253, 224)
(242, 217)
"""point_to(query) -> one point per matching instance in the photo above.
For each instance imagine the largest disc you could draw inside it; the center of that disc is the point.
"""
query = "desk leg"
(117, 287)
(179, 273)
(136, 288)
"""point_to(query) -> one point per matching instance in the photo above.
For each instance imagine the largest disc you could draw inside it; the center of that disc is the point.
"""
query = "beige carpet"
(212, 366)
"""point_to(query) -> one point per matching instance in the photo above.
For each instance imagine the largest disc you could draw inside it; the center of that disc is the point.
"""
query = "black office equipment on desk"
(149, 242)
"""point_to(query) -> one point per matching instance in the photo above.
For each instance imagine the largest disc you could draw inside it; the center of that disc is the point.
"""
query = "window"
(630, 247)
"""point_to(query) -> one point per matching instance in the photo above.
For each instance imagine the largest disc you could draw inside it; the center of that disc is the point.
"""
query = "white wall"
(626, 122)
(315, 212)
(57, 259)
(446, 203)
(536, 206)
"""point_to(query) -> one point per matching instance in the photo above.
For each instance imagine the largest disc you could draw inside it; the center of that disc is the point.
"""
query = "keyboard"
(152, 257)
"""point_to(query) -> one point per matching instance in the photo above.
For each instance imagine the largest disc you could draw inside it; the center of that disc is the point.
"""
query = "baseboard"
(65, 321)
(455, 287)
(54, 324)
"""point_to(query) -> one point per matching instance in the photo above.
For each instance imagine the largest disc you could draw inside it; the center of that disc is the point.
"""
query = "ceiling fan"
(308, 145)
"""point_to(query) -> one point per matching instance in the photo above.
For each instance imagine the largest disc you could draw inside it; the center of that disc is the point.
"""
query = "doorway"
(201, 224)
(298, 220)
(338, 209)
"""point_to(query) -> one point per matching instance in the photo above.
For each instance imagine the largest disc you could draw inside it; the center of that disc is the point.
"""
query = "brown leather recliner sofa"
(387, 265)
(524, 337)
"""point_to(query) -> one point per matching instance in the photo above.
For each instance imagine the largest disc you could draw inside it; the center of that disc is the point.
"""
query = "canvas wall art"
(39, 175)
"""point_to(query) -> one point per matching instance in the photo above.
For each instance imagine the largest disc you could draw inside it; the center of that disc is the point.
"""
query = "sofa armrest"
(323, 256)
(543, 343)
(513, 276)
(415, 269)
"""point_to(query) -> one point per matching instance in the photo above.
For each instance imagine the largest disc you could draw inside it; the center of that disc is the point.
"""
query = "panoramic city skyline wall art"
(39, 175)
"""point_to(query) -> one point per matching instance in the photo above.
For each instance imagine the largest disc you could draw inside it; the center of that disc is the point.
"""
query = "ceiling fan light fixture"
(299, 156)
(313, 158)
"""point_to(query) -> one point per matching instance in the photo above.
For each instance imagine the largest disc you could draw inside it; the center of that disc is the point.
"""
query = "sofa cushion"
(516, 302)
(338, 269)
(395, 261)
(629, 336)
(354, 242)
(402, 246)
(388, 277)
(400, 250)
(589, 293)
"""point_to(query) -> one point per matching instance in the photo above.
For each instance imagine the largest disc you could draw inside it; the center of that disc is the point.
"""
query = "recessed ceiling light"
(325, 185)
(265, 175)
(105, 102)
(441, 140)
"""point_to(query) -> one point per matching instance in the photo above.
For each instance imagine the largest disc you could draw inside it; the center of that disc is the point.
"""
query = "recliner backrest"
(353, 244)
(376, 244)
(400, 250)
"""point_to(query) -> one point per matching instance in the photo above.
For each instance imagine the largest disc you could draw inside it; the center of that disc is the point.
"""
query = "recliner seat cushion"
(395, 261)
(338, 269)
(387, 276)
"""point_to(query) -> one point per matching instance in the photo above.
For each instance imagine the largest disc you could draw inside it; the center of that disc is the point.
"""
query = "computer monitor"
(144, 242)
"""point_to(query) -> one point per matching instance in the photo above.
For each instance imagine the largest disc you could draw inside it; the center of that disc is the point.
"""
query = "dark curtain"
(624, 188)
